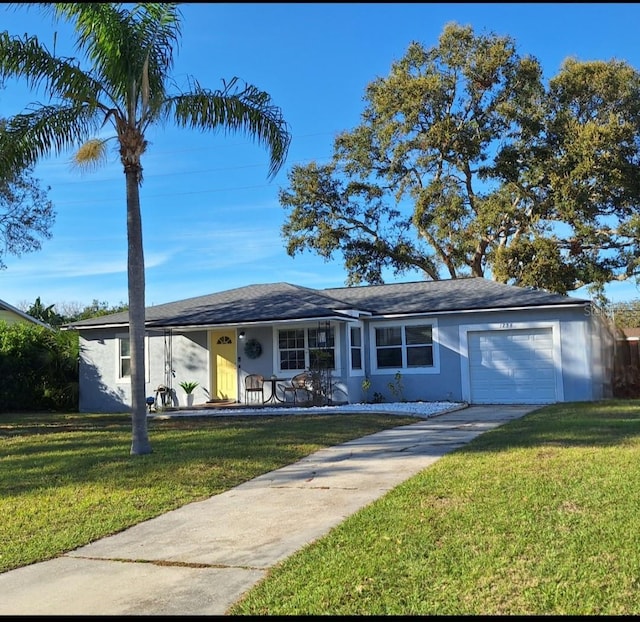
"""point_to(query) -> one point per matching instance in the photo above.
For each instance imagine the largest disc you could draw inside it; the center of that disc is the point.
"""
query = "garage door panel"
(512, 366)
(520, 338)
(542, 376)
(498, 357)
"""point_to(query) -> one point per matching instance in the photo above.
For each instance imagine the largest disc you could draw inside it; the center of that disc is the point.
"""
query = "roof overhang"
(486, 310)
(222, 325)
(160, 326)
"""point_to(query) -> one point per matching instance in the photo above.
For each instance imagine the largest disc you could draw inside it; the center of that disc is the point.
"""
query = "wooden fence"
(626, 381)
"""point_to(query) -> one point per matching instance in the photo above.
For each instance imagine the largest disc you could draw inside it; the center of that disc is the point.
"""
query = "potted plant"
(188, 386)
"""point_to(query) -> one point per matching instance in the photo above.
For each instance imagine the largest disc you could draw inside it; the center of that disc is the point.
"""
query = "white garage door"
(512, 366)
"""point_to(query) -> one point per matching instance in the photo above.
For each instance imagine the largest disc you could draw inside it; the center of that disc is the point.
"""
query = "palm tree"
(130, 50)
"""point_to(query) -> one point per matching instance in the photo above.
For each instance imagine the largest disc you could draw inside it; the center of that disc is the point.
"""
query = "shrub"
(38, 368)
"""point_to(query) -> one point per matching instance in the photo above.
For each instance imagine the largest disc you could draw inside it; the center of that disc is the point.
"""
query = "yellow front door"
(224, 374)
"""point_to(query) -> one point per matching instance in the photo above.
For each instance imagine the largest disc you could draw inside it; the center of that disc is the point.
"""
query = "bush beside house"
(38, 368)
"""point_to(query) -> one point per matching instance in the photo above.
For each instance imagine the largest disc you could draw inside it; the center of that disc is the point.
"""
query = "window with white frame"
(322, 353)
(355, 346)
(291, 349)
(123, 345)
(408, 346)
(419, 345)
(306, 348)
(124, 357)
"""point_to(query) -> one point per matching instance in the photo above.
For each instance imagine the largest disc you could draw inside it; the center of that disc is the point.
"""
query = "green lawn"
(538, 517)
(66, 480)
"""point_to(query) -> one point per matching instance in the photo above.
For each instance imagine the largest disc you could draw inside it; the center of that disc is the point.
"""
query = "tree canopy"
(466, 163)
(58, 314)
(626, 314)
(26, 214)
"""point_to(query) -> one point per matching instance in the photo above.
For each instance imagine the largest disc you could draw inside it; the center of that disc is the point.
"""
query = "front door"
(224, 374)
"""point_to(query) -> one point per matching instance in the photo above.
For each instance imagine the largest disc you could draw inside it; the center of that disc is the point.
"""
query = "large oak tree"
(465, 163)
(26, 213)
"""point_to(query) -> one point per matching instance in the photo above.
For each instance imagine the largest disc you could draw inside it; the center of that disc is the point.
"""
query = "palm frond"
(159, 27)
(47, 130)
(131, 49)
(249, 111)
(58, 77)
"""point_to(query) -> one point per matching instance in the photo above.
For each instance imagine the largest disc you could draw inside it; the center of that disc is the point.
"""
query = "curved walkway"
(201, 558)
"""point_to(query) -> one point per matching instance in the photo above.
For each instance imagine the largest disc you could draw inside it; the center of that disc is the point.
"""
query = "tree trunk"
(140, 444)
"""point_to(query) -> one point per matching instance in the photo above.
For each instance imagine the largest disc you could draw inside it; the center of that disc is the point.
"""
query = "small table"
(273, 398)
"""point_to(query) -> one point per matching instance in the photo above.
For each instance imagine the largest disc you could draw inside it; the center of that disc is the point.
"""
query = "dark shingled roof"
(450, 295)
(283, 301)
(253, 303)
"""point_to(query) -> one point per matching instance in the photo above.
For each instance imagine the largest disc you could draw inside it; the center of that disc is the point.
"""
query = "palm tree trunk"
(135, 266)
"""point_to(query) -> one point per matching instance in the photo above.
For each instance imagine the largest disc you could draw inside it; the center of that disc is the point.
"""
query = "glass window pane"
(389, 357)
(419, 334)
(322, 359)
(290, 339)
(292, 359)
(420, 356)
(356, 347)
(124, 357)
(321, 337)
(313, 338)
(388, 336)
(125, 368)
(291, 349)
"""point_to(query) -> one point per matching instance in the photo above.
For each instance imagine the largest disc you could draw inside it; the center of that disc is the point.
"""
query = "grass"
(537, 517)
(67, 480)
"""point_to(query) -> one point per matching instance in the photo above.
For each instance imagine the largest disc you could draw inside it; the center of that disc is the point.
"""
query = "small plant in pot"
(188, 387)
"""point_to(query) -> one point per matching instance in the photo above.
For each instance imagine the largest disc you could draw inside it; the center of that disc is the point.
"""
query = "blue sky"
(211, 217)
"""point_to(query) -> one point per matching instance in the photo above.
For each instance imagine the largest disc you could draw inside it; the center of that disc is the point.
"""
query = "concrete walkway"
(201, 558)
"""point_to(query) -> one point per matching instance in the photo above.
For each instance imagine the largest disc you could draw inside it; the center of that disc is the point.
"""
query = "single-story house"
(465, 340)
(12, 315)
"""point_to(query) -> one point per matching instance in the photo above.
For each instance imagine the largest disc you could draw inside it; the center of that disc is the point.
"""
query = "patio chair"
(253, 385)
(302, 382)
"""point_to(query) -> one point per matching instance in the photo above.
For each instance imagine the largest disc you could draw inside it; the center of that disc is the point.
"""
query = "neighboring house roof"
(11, 314)
(285, 302)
